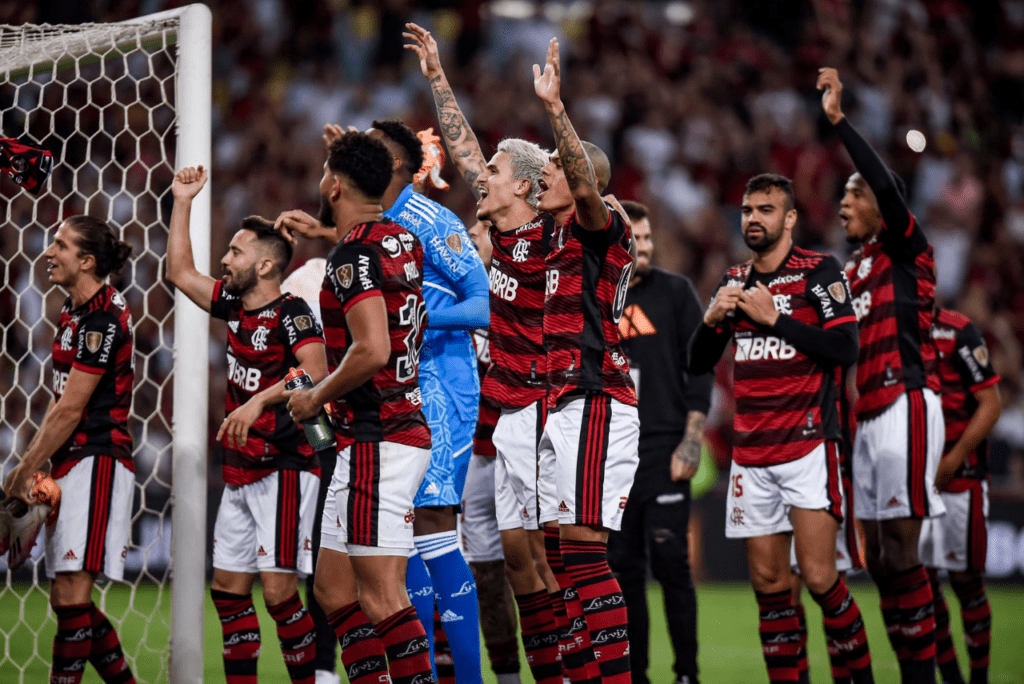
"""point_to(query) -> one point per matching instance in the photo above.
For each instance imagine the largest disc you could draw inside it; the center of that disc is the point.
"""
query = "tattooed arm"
(591, 211)
(686, 457)
(462, 144)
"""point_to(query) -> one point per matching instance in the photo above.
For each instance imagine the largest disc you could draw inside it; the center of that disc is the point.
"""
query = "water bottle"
(318, 429)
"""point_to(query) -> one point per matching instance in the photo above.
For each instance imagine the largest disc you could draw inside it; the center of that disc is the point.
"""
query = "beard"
(644, 266)
(762, 243)
(326, 213)
(241, 282)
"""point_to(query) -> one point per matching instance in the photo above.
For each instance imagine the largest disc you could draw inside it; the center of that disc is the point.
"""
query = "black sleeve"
(697, 392)
(99, 337)
(706, 347)
(971, 360)
(354, 272)
(901, 235)
(599, 240)
(298, 326)
(837, 345)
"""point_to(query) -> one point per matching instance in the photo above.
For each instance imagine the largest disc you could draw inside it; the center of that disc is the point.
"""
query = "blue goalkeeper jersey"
(452, 274)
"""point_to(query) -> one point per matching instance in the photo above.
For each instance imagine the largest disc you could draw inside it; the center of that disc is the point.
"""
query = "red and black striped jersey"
(261, 348)
(787, 402)
(588, 274)
(487, 417)
(964, 369)
(892, 280)
(378, 259)
(518, 372)
(96, 337)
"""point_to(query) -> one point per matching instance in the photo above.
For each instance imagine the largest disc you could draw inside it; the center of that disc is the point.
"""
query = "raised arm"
(591, 212)
(459, 138)
(181, 266)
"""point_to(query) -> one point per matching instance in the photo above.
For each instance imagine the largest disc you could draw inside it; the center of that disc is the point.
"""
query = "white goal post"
(114, 157)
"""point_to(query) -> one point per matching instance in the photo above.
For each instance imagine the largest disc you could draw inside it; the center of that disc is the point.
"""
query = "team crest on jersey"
(521, 251)
(303, 322)
(65, 339)
(390, 243)
(454, 242)
(865, 267)
(93, 340)
(117, 300)
(259, 338)
(838, 292)
(345, 274)
(981, 355)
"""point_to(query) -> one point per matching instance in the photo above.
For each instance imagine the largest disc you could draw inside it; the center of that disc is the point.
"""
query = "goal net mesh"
(101, 98)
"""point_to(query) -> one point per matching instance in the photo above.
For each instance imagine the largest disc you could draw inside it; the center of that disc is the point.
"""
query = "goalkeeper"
(85, 436)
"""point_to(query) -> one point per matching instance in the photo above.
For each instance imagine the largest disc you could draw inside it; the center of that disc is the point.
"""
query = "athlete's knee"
(767, 579)
(819, 577)
(279, 590)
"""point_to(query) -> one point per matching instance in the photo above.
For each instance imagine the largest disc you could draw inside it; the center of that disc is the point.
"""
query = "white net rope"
(102, 99)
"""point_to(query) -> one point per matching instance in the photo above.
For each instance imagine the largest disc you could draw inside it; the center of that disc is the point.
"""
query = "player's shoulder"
(952, 319)
(737, 274)
(810, 260)
(293, 305)
(109, 304)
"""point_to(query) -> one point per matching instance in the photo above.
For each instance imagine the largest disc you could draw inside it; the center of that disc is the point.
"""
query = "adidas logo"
(261, 552)
(450, 616)
(70, 555)
(562, 508)
(893, 502)
(432, 489)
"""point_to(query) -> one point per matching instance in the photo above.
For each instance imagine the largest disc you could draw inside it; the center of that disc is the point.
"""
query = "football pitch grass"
(727, 633)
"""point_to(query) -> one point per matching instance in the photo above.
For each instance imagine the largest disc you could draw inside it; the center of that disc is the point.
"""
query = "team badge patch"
(345, 275)
(390, 243)
(981, 355)
(303, 322)
(93, 340)
(454, 242)
(838, 292)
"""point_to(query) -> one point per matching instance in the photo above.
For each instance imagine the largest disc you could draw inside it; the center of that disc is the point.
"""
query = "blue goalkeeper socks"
(421, 595)
(456, 602)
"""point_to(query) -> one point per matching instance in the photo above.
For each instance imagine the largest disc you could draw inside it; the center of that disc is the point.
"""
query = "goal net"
(120, 106)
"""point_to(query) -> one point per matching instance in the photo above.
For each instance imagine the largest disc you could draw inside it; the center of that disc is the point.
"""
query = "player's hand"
(724, 302)
(425, 47)
(947, 468)
(188, 182)
(297, 222)
(832, 94)
(19, 484)
(757, 303)
(548, 83)
(236, 425)
(301, 404)
(333, 131)
(685, 460)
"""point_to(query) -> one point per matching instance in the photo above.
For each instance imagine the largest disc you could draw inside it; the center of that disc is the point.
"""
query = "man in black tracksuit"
(661, 313)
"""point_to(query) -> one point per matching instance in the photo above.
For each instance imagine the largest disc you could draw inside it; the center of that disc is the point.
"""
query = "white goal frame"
(43, 45)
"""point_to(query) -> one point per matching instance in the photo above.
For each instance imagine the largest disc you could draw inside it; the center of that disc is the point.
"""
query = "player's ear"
(264, 266)
(790, 219)
(522, 187)
(87, 262)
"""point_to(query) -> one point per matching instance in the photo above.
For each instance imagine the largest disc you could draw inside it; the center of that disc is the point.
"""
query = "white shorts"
(92, 530)
(594, 440)
(958, 541)
(760, 497)
(525, 480)
(895, 456)
(481, 539)
(266, 526)
(369, 505)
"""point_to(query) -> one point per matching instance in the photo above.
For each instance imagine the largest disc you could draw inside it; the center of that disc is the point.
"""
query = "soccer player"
(793, 330)
(373, 313)
(481, 538)
(455, 289)
(661, 314)
(593, 426)
(271, 473)
(507, 187)
(85, 436)
(899, 413)
(958, 541)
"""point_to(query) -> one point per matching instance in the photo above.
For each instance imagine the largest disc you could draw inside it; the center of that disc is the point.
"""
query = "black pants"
(654, 526)
(326, 656)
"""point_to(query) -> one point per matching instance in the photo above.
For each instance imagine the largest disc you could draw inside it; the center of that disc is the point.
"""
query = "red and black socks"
(803, 667)
(540, 637)
(406, 646)
(844, 628)
(241, 635)
(578, 662)
(72, 645)
(977, 617)
(917, 622)
(362, 651)
(297, 635)
(107, 656)
(604, 607)
(945, 652)
(780, 635)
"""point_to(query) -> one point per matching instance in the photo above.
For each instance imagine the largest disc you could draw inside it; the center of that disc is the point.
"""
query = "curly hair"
(94, 237)
(766, 181)
(363, 160)
(405, 138)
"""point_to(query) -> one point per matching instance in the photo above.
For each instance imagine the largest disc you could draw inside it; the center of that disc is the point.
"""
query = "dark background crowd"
(689, 99)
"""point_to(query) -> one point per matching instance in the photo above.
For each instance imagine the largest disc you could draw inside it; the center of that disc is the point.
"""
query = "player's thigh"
(381, 580)
(814, 540)
(768, 560)
(335, 580)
